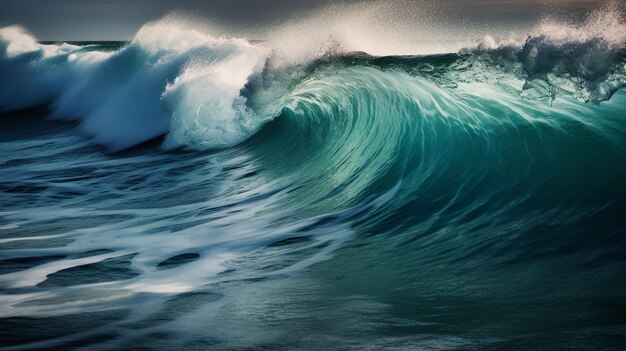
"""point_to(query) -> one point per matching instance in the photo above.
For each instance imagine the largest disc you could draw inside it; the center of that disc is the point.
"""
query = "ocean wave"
(202, 92)
(416, 188)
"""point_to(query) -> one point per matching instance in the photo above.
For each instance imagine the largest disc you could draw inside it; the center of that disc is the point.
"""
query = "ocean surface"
(181, 191)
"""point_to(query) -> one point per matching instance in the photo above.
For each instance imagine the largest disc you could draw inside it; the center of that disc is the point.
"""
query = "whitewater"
(187, 190)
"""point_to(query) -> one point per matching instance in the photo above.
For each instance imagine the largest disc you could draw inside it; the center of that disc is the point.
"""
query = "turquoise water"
(154, 196)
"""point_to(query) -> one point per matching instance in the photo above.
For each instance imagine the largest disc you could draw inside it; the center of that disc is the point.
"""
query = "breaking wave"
(196, 90)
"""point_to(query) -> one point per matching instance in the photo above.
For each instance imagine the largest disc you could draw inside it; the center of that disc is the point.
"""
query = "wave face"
(472, 200)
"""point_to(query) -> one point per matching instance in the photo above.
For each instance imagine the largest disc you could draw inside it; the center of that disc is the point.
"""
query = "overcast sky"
(120, 19)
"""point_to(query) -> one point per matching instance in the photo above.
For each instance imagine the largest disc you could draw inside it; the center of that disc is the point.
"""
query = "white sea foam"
(169, 78)
(587, 60)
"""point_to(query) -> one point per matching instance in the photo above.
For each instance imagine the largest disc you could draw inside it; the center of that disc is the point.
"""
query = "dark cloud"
(120, 19)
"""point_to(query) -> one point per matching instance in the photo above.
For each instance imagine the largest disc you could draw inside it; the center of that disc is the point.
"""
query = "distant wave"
(588, 60)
